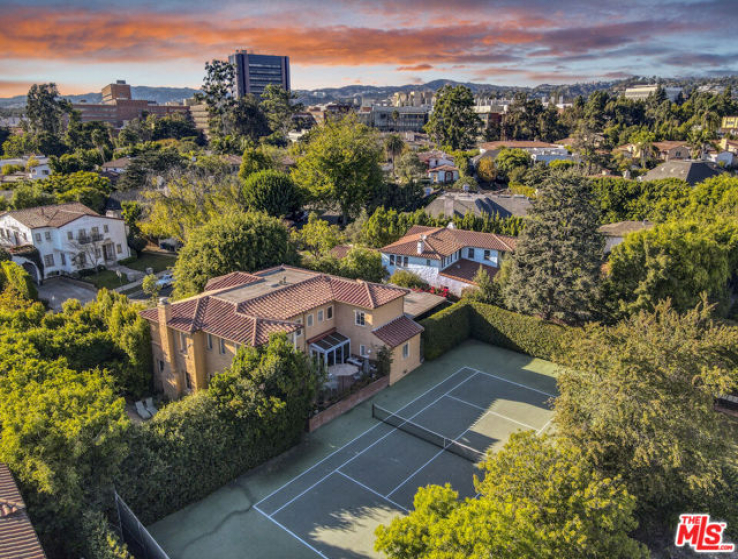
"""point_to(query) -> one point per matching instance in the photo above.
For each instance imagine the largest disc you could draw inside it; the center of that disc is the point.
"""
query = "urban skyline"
(342, 42)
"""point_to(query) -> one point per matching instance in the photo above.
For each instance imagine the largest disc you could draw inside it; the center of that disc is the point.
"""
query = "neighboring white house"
(39, 171)
(443, 174)
(447, 257)
(117, 165)
(540, 152)
(615, 233)
(69, 238)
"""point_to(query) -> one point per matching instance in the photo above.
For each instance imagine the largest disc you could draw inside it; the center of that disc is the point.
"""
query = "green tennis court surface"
(331, 507)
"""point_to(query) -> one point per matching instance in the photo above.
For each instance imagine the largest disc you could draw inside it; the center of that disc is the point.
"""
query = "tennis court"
(433, 439)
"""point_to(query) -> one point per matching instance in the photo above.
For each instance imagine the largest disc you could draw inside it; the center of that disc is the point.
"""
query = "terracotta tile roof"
(252, 320)
(18, 539)
(398, 331)
(231, 280)
(340, 251)
(464, 270)
(443, 168)
(52, 216)
(516, 144)
(666, 146)
(440, 242)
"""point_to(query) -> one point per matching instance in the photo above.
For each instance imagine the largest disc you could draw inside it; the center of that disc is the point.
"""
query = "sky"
(81, 45)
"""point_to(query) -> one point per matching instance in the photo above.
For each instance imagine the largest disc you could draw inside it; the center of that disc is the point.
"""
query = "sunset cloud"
(521, 39)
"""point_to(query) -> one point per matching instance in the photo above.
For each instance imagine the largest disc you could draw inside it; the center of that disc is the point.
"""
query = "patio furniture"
(149, 404)
(354, 361)
(142, 411)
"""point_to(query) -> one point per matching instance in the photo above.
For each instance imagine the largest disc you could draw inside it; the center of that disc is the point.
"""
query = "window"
(405, 351)
(486, 255)
(392, 259)
(329, 312)
(70, 236)
(188, 381)
(95, 230)
(161, 366)
(47, 235)
(63, 259)
(428, 263)
(470, 253)
(81, 234)
(118, 248)
(82, 259)
(106, 229)
(210, 341)
(360, 318)
(362, 350)
(183, 342)
(299, 332)
(320, 315)
(222, 346)
(49, 260)
(405, 261)
(38, 237)
(310, 319)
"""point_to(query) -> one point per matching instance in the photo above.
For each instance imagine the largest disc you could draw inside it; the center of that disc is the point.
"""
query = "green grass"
(158, 262)
(107, 279)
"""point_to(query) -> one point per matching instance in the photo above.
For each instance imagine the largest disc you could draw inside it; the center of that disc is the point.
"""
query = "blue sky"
(82, 45)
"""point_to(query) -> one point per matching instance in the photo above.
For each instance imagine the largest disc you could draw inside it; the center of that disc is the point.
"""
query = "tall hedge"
(446, 329)
(493, 325)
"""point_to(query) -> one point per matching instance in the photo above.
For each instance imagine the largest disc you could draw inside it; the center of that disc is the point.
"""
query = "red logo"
(704, 536)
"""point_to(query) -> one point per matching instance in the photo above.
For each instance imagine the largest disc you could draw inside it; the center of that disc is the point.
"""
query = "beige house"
(335, 319)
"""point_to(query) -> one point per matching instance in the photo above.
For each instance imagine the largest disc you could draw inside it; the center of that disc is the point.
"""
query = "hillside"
(160, 95)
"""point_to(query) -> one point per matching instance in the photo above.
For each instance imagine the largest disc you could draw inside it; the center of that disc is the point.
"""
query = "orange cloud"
(416, 68)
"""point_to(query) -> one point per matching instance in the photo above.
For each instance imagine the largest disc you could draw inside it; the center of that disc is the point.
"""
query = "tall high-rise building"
(255, 71)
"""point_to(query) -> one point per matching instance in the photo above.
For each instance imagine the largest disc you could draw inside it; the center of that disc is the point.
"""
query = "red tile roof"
(398, 331)
(52, 216)
(18, 539)
(252, 320)
(231, 280)
(440, 242)
(340, 251)
(464, 270)
(443, 168)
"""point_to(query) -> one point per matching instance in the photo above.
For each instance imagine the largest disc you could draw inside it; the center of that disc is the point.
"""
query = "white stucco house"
(447, 257)
(68, 237)
(443, 174)
(40, 170)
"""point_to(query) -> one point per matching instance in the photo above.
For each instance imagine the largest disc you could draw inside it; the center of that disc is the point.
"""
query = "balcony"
(92, 238)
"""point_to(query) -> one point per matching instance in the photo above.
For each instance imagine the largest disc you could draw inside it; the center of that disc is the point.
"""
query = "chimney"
(421, 244)
(165, 310)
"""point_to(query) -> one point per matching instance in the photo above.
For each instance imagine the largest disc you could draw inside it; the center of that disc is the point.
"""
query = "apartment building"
(447, 257)
(335, 319)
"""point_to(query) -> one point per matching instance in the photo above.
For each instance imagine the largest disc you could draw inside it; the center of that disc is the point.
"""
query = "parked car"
(166, 280)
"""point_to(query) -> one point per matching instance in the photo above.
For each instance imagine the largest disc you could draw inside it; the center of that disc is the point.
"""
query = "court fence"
(141, 544)
(408, 426)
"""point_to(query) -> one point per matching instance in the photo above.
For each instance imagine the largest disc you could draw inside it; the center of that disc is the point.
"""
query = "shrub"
(493, 325)
(446, 329)
(404, 278)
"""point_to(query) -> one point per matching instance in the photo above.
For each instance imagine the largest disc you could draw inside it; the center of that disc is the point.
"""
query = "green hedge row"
(446, 329)
(493, 325)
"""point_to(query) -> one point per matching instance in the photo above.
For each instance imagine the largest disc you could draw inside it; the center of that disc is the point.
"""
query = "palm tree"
(394, 146)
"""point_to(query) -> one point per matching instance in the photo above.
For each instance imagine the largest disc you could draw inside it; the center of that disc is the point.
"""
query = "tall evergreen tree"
(453, 121)
(556, 264)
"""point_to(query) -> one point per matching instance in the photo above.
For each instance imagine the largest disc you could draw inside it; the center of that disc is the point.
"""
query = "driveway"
(58, 290)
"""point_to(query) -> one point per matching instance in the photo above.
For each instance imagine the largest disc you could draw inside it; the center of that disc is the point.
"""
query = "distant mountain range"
(160, 95)
(163, 95)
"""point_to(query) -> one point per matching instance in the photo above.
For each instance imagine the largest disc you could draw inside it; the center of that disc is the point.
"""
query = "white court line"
(544, 427)
(291, 533)
(361, 435)
(487, 411)
(416, 471)
(511, 382)
(386, 498)
(394, 430)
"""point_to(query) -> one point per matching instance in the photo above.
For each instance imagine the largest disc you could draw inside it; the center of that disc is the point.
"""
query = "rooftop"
(439, 242)
(692, 172)
(52, 216)
(464, 270)
(18, 539)
(247, 308)
(518, 144)
(622, 228)
(457, 204)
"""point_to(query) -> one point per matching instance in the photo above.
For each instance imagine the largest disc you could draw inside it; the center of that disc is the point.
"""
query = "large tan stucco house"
(330, 317)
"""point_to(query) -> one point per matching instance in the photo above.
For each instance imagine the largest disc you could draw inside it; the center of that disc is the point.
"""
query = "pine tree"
(556, 265)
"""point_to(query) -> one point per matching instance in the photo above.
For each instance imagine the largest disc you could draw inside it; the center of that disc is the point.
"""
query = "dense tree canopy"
(453, 121)
(271, 192)
(235, 242)
(540, 497)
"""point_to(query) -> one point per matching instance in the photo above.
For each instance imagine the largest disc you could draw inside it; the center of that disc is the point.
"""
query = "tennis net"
(427, 435)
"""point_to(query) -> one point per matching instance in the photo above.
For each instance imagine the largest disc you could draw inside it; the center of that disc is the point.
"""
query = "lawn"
(107, 279)
(155, 260)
